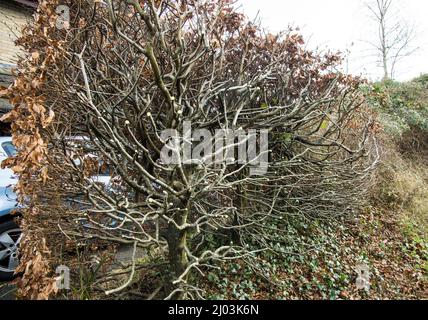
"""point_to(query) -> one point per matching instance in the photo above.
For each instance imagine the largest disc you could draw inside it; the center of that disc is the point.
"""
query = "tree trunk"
(177, 242)
(385, 67)
(178, 259)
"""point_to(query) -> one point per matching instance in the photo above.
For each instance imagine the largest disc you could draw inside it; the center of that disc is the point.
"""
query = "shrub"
(124, 72)
(403, 106)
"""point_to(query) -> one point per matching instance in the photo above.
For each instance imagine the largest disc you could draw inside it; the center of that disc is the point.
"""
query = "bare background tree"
(100, 94)
(395, 36)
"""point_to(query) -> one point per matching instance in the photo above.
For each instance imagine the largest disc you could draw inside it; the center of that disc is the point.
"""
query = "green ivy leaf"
(324, 124)
(286, 137)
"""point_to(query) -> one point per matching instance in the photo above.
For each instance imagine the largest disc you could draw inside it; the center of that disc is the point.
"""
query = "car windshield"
(9, 148)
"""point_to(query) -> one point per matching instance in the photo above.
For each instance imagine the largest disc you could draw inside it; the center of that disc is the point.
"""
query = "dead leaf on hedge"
(46, 122)
(35, 55)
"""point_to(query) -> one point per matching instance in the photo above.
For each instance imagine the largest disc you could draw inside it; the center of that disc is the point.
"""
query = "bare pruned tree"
(395, 36)
(126, 72)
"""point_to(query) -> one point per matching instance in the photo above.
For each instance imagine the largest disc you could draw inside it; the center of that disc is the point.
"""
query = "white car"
(10, 234)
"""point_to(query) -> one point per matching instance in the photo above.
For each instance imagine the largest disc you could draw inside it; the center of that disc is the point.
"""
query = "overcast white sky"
(344, 25)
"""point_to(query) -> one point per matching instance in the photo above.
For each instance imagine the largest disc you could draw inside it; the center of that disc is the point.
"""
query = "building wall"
(12, 18)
